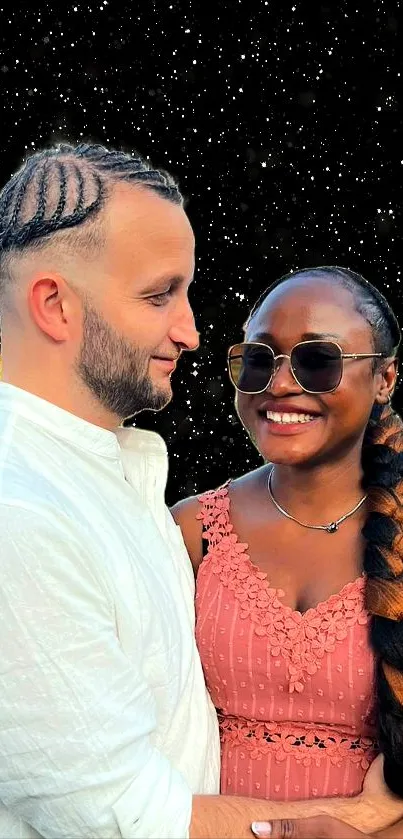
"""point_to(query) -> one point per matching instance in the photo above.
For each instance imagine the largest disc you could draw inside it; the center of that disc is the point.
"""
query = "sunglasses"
(317, 366)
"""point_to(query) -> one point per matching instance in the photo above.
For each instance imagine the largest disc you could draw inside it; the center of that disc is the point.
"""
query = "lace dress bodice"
(294, 691)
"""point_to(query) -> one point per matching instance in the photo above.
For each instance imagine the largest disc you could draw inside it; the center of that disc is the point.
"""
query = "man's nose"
(184, 331)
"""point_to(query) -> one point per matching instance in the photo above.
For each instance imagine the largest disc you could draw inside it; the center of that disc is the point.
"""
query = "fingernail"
(261, 829)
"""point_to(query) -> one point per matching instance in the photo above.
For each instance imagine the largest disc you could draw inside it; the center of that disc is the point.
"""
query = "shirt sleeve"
(76, 716)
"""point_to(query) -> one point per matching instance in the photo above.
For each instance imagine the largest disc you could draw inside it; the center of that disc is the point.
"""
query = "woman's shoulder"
(185, 513)
(250, 480)
(189, 507)
(189, 512)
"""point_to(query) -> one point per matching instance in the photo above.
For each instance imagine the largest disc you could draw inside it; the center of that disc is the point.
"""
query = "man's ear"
(49, 301)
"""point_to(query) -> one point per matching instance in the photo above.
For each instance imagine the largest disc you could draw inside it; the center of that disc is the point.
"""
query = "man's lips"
(168, 363)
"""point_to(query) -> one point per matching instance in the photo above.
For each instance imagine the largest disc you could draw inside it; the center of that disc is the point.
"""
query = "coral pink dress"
(294, 692)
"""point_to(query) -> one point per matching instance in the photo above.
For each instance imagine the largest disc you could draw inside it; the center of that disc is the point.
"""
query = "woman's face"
(306, 308)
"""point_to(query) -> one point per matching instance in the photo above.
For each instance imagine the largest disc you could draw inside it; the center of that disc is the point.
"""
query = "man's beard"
(114, 370)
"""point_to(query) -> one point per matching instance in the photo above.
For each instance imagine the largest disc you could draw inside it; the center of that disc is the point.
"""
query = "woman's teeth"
(274, 416)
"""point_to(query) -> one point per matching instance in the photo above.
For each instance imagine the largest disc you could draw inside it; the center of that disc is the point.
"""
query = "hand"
(374, 783)
(315, 827)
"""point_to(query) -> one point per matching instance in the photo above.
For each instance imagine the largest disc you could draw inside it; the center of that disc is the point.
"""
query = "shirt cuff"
(157, 804)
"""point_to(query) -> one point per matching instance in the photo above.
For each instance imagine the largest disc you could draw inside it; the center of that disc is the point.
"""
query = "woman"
(299, 594)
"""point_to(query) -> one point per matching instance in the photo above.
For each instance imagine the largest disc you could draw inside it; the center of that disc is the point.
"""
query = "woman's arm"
(395, 831)
(219, 817)
(375, 812)
(184, 513)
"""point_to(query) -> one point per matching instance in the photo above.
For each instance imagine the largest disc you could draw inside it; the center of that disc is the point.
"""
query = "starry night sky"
(283, 124)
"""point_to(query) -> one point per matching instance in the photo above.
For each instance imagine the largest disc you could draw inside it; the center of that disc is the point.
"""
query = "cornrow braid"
(382, 461)
(61, 188)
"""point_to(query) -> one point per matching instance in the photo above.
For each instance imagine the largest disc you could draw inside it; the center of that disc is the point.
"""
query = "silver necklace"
(332, 527)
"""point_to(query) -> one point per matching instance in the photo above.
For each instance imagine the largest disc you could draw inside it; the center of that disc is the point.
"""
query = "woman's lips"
(283, 407)
(289, 424)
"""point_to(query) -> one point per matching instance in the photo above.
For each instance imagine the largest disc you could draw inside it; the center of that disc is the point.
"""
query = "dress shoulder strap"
(214, 514)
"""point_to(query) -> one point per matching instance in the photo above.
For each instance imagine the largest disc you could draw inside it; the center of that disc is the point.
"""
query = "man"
(105, 723)
(105, 726)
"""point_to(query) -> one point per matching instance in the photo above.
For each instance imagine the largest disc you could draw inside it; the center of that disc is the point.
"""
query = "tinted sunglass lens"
(317, 365)
(251, 367)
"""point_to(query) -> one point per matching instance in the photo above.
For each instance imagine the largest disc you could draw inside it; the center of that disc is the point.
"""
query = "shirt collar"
(77, 431)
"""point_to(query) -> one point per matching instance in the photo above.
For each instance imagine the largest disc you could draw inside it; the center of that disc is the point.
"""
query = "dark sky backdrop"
(283, 124)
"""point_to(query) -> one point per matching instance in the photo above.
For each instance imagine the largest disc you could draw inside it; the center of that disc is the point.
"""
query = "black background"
(283, 124)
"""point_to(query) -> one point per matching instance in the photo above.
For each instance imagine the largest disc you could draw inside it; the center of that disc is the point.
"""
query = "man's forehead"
(147, 224)
(141, 202)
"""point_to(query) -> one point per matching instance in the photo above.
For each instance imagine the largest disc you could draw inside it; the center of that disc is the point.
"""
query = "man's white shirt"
(106, 728)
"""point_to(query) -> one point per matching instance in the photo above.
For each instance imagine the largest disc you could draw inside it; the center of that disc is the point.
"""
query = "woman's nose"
(283, 380)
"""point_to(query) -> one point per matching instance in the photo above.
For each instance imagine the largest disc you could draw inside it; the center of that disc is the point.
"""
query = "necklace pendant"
(332, 527)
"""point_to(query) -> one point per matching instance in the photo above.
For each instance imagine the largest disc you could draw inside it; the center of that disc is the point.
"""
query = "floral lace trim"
(301, 639)
(307, 747)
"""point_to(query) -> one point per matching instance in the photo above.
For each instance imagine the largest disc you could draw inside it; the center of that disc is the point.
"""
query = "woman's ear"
(387, 381)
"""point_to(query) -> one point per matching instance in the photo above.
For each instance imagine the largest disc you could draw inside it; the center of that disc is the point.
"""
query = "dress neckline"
(350, 588)
(301, 639)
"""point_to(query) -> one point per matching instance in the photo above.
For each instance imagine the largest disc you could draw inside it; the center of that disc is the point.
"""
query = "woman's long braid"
(382, 460)
(383, 565)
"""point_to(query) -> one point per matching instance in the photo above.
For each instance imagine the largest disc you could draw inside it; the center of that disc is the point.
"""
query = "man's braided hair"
(63, 189)
(382, 460)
